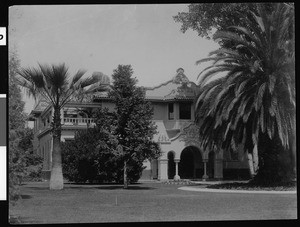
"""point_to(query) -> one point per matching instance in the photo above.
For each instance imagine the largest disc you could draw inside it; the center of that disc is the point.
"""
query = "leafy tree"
(205, 17)
(52, 83)
(33, 163)
(88, 157)
(17, 116)
(91, 155)
(133, 121)
(16, 121)
(254, 104)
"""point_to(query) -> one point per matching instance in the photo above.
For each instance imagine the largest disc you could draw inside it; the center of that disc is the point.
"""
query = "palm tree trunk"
(125, 175)
(56, 178)
(250, 163)
(253, 161)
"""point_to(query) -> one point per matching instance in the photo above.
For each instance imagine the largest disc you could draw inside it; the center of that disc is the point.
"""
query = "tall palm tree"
(52, 83)
(254, 103)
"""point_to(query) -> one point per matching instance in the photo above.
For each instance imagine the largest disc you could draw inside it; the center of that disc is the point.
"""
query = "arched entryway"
(171, 165)
(190, 165)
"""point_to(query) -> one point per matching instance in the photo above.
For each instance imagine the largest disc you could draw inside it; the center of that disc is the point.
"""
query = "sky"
(100, 37)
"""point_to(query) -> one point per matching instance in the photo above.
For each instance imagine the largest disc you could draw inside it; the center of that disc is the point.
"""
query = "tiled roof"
(40, 106)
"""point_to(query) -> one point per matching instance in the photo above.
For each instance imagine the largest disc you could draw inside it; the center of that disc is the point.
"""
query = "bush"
(89, 159)
(34, 166)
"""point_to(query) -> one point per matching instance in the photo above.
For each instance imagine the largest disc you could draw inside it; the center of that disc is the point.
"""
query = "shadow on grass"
(103, 186)
(107, 186)
(26, 196)
(39, 188)
(18, 220)
(115, 187)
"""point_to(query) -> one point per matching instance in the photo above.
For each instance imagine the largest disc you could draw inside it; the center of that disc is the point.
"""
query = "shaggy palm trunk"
(125, 175)
(253, 161)
(56, 178)
(275, 162)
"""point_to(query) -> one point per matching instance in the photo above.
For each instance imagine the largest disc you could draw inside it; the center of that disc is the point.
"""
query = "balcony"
(176, 124)
(78, 121)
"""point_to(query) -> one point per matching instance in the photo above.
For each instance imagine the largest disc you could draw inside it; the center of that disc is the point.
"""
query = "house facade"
(177, 134)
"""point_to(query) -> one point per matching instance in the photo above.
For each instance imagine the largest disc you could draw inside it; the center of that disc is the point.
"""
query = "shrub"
(89, 159)
(34, 166)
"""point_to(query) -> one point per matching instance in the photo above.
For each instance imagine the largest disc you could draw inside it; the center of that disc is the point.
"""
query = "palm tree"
(52, 83)
(254, 103)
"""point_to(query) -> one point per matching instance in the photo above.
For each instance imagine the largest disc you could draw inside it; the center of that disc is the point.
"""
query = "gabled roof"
(178, 88)
(39, 107)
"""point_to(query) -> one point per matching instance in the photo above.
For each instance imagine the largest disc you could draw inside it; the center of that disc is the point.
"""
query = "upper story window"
(171, 111)
(185, 111)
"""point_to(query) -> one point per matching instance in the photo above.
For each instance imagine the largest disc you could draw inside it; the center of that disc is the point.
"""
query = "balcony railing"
(78, 121)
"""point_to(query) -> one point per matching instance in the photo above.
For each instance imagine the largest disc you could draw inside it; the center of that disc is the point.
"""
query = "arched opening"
(171, 165)
(210, 164)
(190, 165)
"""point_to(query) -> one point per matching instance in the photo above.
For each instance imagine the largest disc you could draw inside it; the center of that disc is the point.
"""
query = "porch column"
(205, 176)
(163, 169)
(176, 177)
(218, 169)
(218, 164)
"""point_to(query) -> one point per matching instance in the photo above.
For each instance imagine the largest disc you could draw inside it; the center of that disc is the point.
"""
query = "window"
(171, 111)
(69, 139)
(184, 111)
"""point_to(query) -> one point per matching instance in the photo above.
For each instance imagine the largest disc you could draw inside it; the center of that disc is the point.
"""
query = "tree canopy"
(52, 83)
(254, 104)
(133, 116)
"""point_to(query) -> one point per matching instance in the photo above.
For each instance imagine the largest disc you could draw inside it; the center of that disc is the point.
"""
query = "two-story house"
(178, 135)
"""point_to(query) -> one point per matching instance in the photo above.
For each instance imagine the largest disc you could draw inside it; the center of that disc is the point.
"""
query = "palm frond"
(259, 96)
(215, 70)
(248, 33)
(77, 78)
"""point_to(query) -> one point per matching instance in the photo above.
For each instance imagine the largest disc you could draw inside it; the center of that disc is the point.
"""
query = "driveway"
(145, 202)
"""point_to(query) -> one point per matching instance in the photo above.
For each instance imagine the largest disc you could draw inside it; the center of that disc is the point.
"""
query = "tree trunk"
(253, 161)
(250, 163)
(56, 178)
(125, 175)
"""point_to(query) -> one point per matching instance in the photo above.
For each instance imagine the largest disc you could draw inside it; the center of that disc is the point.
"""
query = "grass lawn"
(144, 202)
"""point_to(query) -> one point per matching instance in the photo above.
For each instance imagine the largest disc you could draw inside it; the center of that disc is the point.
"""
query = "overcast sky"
(100, 37)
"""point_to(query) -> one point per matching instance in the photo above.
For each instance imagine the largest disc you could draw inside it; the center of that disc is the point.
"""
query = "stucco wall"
(160, 111)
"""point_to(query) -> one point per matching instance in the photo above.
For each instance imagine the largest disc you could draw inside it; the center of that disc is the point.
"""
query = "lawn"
(144, 202)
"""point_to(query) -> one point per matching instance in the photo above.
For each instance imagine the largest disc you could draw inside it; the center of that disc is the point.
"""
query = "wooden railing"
(77, 121)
